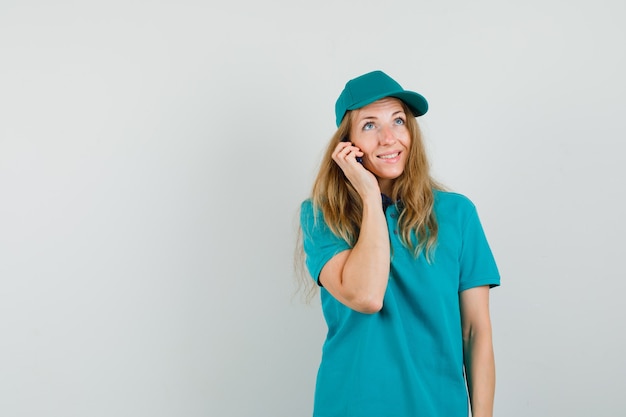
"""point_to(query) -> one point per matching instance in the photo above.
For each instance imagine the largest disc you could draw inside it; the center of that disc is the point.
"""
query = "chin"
(388, 175)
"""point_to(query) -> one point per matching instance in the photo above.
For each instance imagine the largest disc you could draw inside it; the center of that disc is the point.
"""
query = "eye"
(368, 126)
(399, 121)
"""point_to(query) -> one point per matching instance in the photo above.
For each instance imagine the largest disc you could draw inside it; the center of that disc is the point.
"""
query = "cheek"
(362, 144)
(366, 148)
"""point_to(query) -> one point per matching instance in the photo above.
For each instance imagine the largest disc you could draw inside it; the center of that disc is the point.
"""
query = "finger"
(354, 153)
(342, 152)
(341, 147)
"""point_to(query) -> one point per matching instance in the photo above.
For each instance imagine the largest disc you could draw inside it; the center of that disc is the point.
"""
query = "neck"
(385, 186)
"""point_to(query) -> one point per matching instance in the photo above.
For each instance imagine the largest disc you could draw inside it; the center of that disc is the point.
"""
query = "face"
(380, 131)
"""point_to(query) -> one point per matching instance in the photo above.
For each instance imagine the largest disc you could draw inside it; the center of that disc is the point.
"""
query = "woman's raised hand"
(364, 182)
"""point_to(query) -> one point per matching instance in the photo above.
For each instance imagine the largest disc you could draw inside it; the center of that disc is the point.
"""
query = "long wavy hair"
(342, 207)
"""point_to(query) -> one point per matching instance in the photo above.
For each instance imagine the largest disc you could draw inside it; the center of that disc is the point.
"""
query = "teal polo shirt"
(407, 359)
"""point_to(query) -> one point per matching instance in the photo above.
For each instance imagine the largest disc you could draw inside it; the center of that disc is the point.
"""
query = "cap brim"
(416, 102)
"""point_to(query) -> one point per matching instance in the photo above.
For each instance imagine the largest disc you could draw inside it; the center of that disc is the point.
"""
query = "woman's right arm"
(358, 277)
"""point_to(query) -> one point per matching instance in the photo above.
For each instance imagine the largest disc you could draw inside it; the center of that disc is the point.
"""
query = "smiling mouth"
(389, 156)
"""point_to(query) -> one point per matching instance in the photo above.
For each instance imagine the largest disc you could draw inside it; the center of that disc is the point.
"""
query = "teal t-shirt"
(407, 359)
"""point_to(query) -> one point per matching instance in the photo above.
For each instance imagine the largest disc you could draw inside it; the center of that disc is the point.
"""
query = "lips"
(389, 155)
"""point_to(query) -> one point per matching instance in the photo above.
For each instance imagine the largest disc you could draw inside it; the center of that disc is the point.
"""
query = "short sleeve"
(478, 266)
(320, 243)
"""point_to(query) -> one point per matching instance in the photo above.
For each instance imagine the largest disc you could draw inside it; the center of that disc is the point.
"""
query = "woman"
(404, 269)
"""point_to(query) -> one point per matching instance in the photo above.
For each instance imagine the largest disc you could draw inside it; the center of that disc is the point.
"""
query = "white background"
(153, 156)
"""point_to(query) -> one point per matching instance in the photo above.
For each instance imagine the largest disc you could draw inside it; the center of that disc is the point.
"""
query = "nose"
(386, 136)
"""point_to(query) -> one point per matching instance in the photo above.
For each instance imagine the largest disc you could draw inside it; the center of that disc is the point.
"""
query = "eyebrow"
(374, 118)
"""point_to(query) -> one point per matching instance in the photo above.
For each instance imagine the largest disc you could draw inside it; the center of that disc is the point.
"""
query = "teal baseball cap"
(367, 88)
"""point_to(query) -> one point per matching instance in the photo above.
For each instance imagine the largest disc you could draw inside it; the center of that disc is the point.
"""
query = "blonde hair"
(412, 191)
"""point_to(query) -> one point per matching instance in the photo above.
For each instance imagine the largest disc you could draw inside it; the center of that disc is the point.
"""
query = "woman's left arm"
(478, 350)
